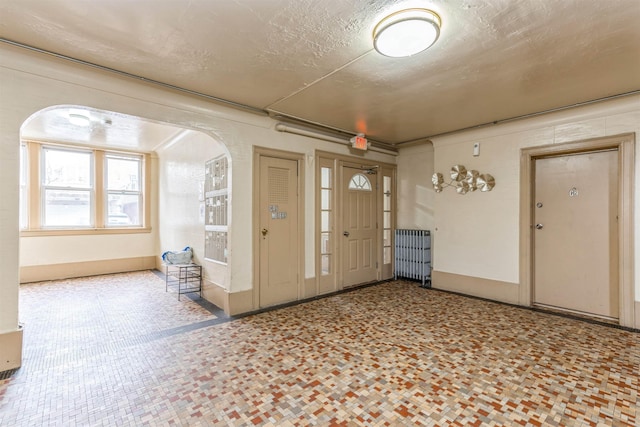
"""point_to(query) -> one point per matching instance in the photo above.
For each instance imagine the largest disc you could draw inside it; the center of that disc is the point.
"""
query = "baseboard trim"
(215, 294)
(476, 286)
(11, 350)
(39, 273)
(310, 288)
(240, 302)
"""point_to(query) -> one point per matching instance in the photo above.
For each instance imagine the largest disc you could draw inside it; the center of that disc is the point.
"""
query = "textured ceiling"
(313, 60)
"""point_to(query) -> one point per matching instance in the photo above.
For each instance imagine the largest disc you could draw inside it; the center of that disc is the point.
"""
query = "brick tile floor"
(392, 354)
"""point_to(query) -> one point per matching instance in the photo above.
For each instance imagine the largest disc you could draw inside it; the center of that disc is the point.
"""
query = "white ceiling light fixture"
(79, 117)
(406, 32)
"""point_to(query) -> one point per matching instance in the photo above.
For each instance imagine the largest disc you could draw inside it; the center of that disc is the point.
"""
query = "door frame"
(258, 154)
(625, 144)
(334, 281)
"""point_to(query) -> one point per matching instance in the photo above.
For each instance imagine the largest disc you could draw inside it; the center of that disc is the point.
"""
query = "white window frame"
(139, 192)
(44, 187)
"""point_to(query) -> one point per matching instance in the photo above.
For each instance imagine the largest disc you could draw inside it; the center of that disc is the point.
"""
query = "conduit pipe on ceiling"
(282, 127)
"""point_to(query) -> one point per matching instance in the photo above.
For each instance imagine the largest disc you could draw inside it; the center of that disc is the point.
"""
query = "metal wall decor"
(464, 180)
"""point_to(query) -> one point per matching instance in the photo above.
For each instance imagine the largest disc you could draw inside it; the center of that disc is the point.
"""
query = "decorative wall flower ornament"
(463, 180)
(462, 187)
(486, 182)
(472, 179)
(438, 180)
(458, 173)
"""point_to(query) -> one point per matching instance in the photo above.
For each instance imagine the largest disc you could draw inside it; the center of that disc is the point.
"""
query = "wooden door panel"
(368, 252)
(359, 221)
(279, 218)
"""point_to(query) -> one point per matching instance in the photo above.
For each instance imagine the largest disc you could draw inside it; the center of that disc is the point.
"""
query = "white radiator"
(413, 255)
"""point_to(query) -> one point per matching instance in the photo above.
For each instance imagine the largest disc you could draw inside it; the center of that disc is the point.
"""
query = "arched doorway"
(103, 191)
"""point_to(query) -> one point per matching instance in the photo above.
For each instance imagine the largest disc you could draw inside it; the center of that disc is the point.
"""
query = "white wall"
(32, 82)
(180, 175)
(9, 223)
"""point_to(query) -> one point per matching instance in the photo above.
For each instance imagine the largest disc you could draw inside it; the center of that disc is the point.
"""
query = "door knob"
(264, 232)
(345, 234)
(539, 226)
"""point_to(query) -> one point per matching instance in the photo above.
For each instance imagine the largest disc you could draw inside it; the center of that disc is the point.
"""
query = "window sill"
(85, 231)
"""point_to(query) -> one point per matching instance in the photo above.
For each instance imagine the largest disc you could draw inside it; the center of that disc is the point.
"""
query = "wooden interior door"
(359, 236)
(575, 233)
(278, 235)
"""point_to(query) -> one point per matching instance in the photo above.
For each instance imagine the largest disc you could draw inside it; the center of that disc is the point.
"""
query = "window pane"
(386, 184)
(325, 181)
(123, 173)
(67, 168)
(325, 243)
(325, 196)
(386, 202)
(386, 220)
(324, 221)
(325, 265)
(67, 207)
(387, 237)
(387, 255)
(360, 182)
(123, 209)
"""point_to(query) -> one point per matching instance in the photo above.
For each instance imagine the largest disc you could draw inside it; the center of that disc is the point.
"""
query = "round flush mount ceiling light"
(79, 117)
(406, 32)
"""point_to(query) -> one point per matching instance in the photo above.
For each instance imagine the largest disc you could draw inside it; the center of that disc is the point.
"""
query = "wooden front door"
(359, 235)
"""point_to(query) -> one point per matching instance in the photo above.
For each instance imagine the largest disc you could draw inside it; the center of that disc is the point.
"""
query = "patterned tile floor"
(386, 355)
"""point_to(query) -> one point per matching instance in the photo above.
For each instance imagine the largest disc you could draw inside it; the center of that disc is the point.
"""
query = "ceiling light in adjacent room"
(406, 32)
(79, 117)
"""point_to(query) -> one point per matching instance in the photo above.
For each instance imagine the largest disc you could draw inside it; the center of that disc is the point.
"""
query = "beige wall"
(477, 234)
(416, 195)
(48, 250)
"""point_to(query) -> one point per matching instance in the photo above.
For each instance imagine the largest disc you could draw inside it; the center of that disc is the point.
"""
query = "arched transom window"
(360, 182)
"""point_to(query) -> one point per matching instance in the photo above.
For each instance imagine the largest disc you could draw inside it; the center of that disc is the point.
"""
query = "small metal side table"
(187, 278)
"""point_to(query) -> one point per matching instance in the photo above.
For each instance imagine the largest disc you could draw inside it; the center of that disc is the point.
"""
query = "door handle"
(264, 232)
(345, 234)
(539, 226)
